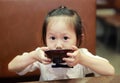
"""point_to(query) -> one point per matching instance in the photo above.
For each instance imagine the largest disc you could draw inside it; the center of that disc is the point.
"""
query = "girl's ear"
(82, 37)
(80, 40)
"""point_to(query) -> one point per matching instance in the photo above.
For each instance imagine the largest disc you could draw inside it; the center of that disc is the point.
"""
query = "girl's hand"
(41, 55)
(74, 57)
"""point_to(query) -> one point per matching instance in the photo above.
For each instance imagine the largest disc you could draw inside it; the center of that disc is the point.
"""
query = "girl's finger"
(44, 48)
(70, 54)
(46, 60)
(74, 48)
(69, 60)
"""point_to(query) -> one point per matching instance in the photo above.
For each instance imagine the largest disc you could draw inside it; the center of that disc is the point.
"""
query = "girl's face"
(60, 33)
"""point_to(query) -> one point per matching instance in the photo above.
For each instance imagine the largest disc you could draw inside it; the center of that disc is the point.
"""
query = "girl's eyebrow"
(66, 34)
(50, 33)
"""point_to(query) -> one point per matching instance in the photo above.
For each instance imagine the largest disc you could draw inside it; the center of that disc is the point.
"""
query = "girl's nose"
(59, 45)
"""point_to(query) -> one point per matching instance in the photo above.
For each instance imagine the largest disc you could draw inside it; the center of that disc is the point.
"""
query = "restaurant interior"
(108, 31)
(18, 35)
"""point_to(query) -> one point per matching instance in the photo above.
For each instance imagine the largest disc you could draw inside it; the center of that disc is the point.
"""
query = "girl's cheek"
(51, 45)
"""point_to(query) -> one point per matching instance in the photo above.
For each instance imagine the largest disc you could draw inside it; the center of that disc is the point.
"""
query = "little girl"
(62, 29)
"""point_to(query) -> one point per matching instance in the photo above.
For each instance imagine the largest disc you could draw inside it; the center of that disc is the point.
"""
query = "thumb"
(44, 48)
(74, 47)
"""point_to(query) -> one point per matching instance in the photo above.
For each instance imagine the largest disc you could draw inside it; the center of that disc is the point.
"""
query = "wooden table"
(101, 79)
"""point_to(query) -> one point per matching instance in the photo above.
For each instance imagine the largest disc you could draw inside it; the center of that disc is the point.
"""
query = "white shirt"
(49, 73)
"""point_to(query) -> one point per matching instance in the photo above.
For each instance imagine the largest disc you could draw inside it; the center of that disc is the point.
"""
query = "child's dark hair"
(63, 11)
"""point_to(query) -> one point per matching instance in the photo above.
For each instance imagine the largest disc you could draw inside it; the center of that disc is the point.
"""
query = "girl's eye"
(53, 38)
(65, 38)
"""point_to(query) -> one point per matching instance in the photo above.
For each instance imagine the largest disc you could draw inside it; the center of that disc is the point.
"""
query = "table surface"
(100, 79)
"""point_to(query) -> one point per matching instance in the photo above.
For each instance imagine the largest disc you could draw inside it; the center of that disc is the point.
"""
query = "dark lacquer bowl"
(57, 55)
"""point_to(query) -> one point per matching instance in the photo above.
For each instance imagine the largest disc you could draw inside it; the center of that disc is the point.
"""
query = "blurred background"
(108, 31)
